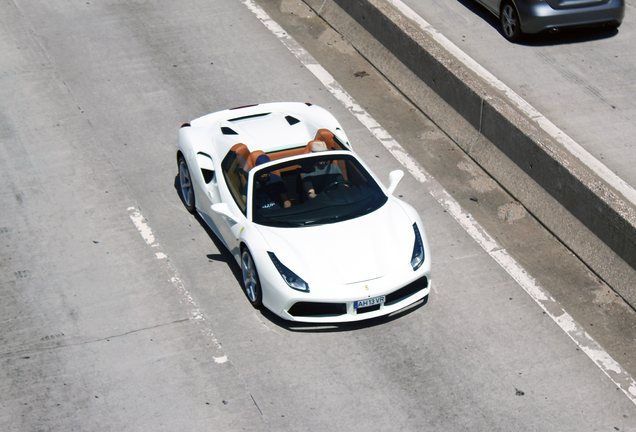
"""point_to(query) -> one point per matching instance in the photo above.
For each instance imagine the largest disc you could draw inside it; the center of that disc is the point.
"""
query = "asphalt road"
(120, 311)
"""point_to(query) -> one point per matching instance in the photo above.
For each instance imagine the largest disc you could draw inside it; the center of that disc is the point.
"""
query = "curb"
(581, 209)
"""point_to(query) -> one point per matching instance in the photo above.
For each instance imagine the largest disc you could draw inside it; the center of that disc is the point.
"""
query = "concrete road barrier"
(588, 215)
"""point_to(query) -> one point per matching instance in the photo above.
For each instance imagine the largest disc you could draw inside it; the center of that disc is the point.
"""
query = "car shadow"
(562, 37)
(568, 37)
(226, 257)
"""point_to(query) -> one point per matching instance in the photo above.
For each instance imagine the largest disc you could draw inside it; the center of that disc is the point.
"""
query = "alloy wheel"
(250, 279)
(510, 22)
(185, 183)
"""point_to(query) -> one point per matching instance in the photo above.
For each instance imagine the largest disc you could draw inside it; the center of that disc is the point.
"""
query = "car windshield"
(312, 191)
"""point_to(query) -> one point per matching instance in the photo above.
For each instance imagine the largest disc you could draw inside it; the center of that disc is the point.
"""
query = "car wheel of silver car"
(185, 184)
(510, 23)
(251, 282)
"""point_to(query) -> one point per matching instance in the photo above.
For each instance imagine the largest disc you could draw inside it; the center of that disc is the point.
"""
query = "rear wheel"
(185, 184)
(251, 282)
(510, 23)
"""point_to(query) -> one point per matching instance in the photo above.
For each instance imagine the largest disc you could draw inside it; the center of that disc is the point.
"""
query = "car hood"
(356, 250)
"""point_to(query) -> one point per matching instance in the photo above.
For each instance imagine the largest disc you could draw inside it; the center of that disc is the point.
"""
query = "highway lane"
(121, 312)
(581, 80)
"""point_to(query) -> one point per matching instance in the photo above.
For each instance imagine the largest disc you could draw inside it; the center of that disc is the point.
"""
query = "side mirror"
(394, 179)
(223, 210)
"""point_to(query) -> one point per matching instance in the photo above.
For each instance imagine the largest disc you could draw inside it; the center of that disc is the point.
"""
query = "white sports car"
(317, 236)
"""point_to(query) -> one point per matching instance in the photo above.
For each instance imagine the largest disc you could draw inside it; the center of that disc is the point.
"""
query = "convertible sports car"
(317, 236)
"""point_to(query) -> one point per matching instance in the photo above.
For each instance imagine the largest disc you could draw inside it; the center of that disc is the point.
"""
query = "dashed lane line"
(185, 297)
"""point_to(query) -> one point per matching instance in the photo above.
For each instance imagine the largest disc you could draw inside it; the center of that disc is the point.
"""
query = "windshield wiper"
(323, 220)
(267, 221)
(339, 218)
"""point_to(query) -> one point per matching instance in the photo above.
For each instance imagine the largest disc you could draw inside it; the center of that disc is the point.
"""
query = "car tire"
(251, 282)
(510, 22)
(185, 185)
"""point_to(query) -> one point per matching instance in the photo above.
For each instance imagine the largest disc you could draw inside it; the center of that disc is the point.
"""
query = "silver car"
(535, 16)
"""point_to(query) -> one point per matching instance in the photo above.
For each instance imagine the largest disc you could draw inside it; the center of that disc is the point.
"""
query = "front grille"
(406, 291)
(368, 309)
(306, 309)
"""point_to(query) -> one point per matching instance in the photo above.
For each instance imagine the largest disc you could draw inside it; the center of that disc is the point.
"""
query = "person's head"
(263, 177)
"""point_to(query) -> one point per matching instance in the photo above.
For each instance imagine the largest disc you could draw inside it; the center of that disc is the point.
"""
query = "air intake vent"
(308, 309)
(291, 120)
(228, 131)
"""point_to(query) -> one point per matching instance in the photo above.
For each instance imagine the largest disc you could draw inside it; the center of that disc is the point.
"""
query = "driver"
(323, 175)
(270, 191)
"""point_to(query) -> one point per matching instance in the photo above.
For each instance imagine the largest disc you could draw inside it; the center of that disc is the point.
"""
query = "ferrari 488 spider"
(317, 236)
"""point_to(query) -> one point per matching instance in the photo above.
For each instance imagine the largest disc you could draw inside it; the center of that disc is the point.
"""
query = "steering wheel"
(338, 183)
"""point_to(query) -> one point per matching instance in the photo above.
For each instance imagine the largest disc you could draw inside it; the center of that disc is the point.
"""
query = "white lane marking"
(186, 298)
(142, 226)
(219, 355)
(594, 351)
(572, 146)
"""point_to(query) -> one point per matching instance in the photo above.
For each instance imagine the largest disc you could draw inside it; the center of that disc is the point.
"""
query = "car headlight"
(292, 279)
(417, 259)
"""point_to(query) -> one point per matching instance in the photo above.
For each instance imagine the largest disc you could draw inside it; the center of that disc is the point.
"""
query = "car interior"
(240, 161)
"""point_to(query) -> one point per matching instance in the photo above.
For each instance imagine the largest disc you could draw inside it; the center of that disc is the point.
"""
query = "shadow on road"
(223, 255)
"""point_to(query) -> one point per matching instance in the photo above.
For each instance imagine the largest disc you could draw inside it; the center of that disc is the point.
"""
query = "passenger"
(270, 190)
(324, 174)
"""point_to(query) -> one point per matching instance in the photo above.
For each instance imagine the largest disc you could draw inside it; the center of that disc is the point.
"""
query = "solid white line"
(550, 128)
(594, 351)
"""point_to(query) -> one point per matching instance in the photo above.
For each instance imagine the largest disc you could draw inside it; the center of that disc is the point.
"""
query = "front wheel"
(510, 23)
(251, 282)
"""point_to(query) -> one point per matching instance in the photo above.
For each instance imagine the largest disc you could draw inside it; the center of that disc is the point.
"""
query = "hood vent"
(249, 117)
(291, 120)
(228, 131)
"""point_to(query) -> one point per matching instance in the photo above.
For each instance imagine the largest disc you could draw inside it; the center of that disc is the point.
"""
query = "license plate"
(369, 302)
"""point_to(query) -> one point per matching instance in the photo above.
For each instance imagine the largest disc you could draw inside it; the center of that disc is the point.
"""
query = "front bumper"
(346, 311)
(335, 304)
